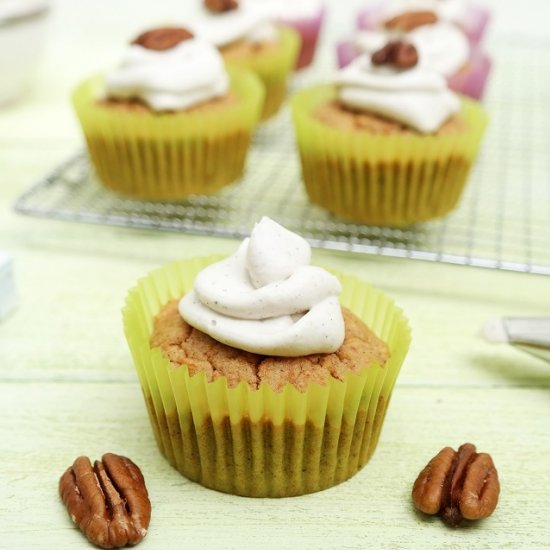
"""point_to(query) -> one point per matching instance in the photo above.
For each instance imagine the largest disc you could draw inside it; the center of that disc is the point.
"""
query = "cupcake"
(170, 121)
(304, 16)
(264, 376)
(246, 37)
(472, 19)
(442, 47)
(388, 143)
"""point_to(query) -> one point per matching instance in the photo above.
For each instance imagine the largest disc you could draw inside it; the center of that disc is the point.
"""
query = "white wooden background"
(67, 384)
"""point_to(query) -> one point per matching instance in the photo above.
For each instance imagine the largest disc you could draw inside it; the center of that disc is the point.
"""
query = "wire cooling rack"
(503, 221)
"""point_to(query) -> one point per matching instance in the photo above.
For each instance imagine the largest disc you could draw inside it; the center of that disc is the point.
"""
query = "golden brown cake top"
(335, 114)
(184, 345)
(138, 106)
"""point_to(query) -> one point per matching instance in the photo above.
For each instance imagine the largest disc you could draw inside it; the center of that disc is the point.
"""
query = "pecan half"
(458, 485)
(399, 54)
(163, 39)
(218, 6)
(410, 20)
(108, 502)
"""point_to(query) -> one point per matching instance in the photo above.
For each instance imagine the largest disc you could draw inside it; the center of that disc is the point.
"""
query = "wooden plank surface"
(68, 387)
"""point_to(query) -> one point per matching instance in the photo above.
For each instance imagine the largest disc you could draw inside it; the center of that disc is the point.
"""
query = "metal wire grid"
(503, 221)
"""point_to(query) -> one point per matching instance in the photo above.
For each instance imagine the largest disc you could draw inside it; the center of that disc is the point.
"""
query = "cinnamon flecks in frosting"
(267, 299)
(399, 54)
(218, 6)
(163, 38)
(411, 20)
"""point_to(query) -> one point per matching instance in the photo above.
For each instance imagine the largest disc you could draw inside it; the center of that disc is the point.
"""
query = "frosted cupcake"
(246, 36)
(304, 16)
(170, 121)
(388, 143)
(442, 46)
(471, 18)
(263, 375)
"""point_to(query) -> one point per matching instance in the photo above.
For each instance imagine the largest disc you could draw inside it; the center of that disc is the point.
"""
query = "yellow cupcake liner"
(169, 156)
(257, 442)
(273, 67)
(378, 179)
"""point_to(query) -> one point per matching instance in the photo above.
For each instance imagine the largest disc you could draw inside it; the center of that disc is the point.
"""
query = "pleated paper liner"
(392, 180)
(261, 443)
(273, 66)
(169, 156)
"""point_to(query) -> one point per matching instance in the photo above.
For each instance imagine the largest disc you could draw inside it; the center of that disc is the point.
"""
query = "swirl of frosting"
(453, 11)
(267, 299)
(417, 97)
(250, 22)
(178, 78)
(442, 47)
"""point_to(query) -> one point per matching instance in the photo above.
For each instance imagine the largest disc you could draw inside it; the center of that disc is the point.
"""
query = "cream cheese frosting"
(267, 299)
(178, 78)
(447, 10)
(442, 47)
(417, 97)
(251, 22)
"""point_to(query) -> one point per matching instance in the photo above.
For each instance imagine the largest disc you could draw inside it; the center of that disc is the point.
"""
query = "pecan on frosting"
(400, 55)
(163, 38)
(219, 6)
(411, 20)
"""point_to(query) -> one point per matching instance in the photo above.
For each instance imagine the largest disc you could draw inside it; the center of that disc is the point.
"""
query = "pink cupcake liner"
(346, 52)
(470, 81)
(309, 30)
(474, 27)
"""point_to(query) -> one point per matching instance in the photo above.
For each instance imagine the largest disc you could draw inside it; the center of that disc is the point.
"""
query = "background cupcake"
(442, 46)
(170, 121)
(270, 388)
(388, 143)
(246, 36)
(470, 17)
(304, 16)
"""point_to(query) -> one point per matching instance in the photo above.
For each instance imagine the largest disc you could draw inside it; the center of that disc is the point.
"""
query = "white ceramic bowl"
(22, 37)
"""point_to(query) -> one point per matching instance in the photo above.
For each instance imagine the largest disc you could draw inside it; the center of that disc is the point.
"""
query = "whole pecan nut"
(401, 55)
(410, 20)
(163, 39)
(109, 501)
(458, 485)
(218, 6)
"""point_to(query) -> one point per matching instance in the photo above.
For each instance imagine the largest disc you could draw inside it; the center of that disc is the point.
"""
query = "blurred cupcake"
(388, 143)
(246, 37)
(304, 16)
(258, 380)
(442, 47)
(471, 18)
(170, 121)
